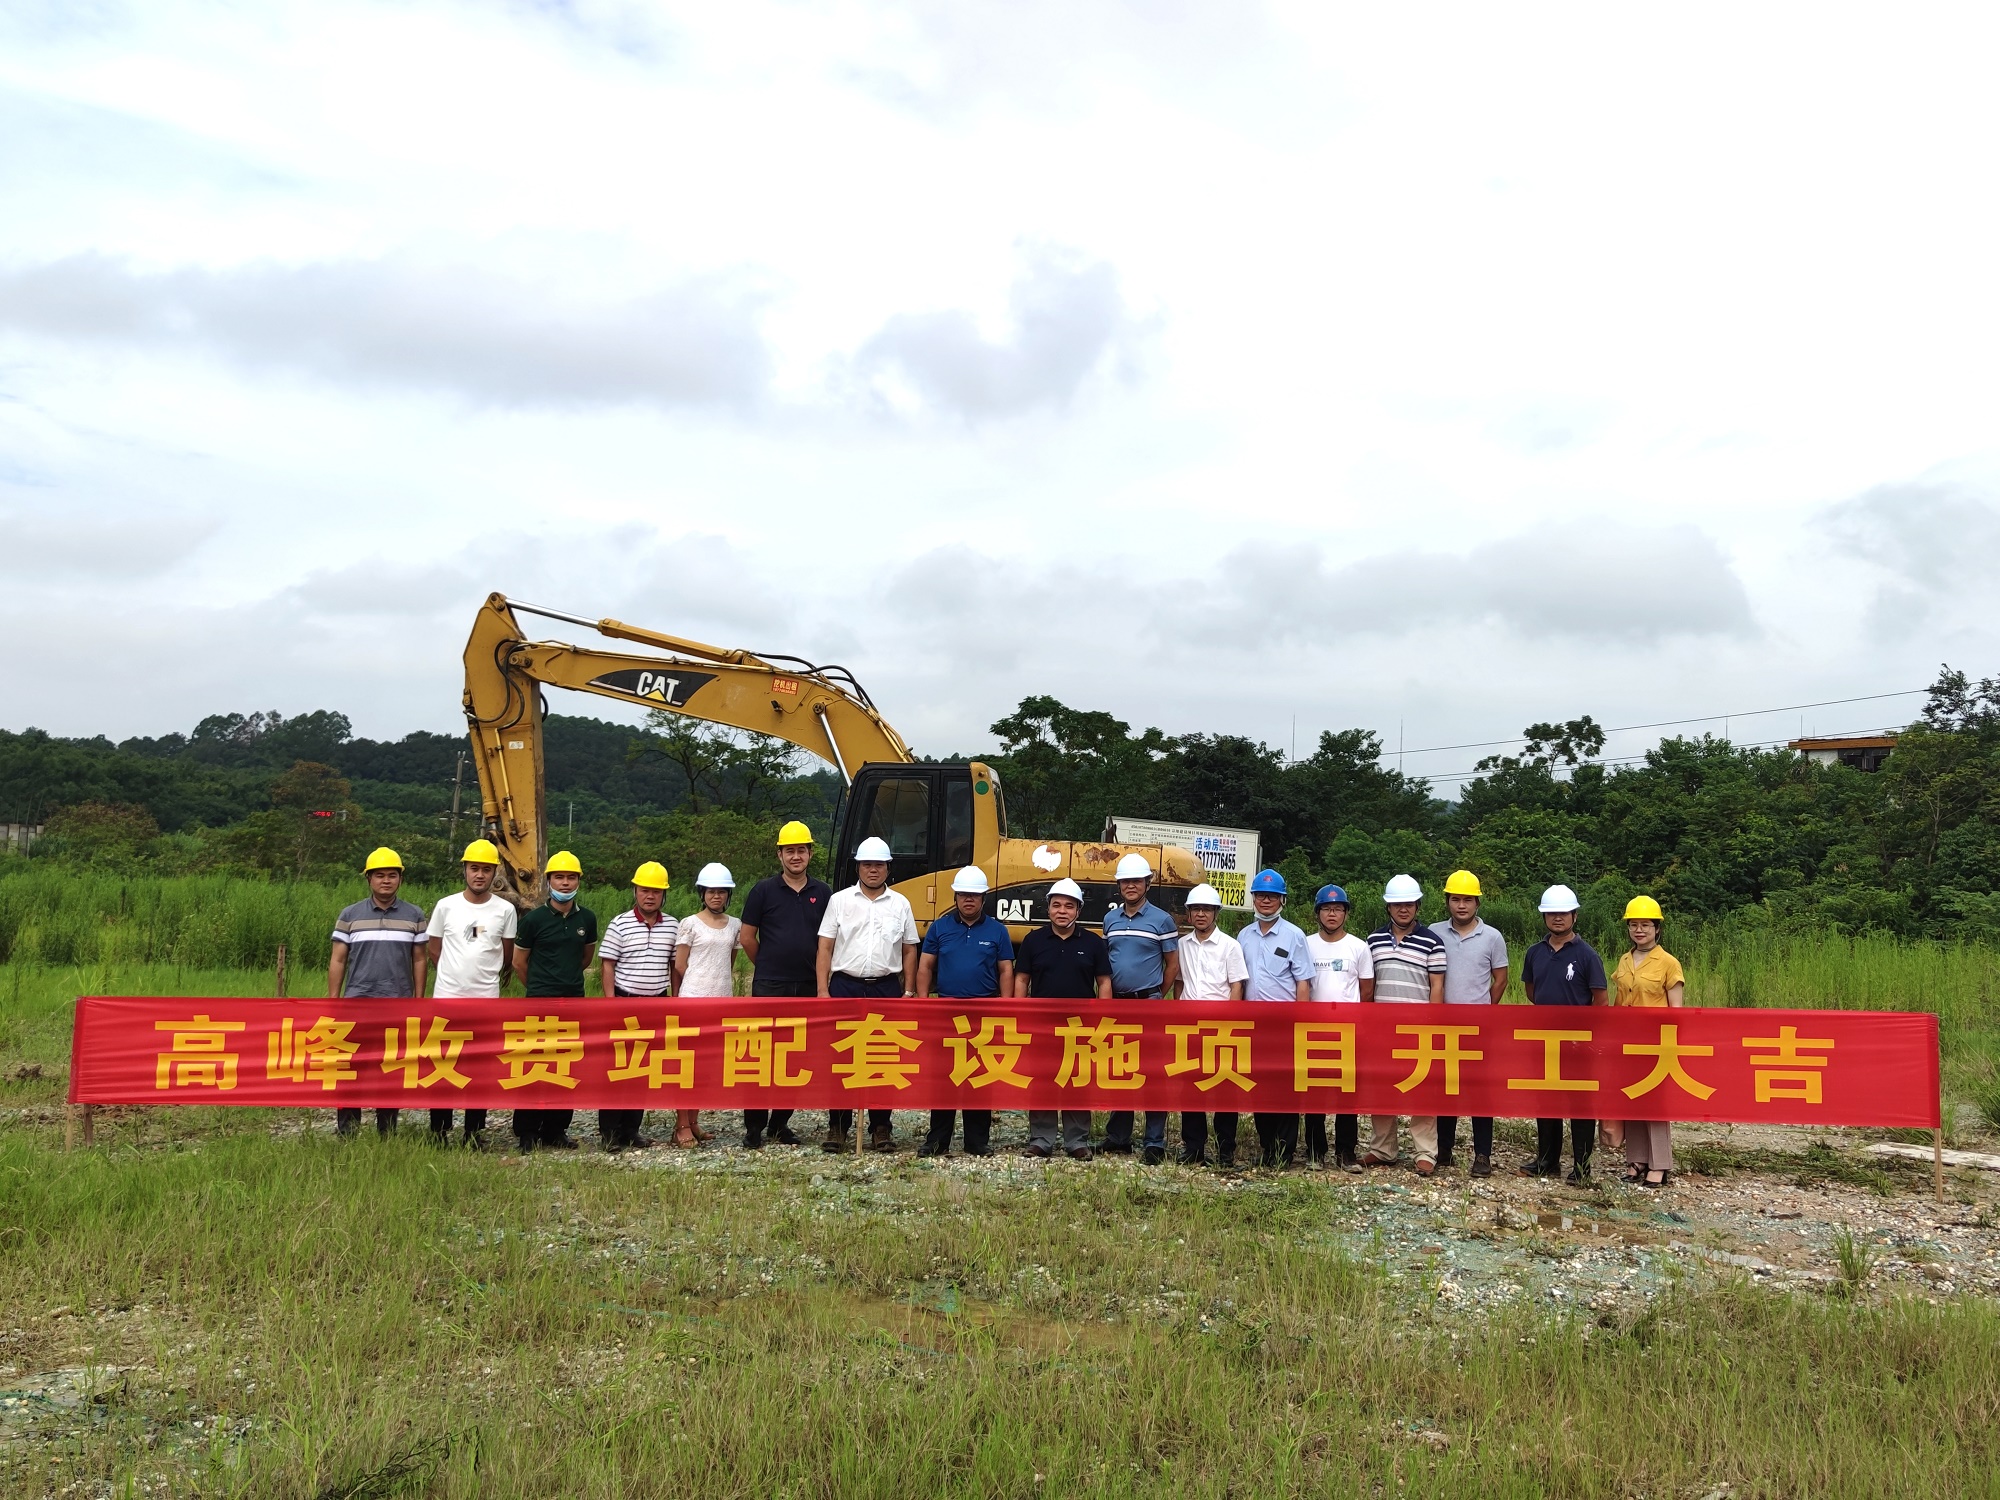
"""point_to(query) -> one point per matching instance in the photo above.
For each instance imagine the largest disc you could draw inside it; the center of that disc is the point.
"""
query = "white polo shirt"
(868, 934)
(1339, 967)
(1210, 966)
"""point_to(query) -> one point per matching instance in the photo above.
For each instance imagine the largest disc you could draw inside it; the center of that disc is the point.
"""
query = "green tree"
(312, 826)
(99, 833)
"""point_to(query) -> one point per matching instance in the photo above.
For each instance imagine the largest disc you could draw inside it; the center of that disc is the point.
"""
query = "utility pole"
(457, 784)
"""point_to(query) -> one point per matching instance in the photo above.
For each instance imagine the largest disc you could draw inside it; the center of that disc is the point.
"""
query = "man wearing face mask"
(1274, 952)
(551, 951)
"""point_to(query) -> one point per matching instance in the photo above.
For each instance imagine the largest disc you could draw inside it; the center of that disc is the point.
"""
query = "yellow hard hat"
(563, 862)
(1644, 908)
(480, 852)
(794, 832)
(652, 874)
(384, 858)
(1462, 883)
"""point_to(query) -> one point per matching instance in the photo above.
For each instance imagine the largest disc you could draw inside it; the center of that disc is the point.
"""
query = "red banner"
(1771, 1066)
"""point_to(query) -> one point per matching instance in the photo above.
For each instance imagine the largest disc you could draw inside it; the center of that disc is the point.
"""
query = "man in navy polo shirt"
(1562, 969)
(967, 956)
(1145, 965)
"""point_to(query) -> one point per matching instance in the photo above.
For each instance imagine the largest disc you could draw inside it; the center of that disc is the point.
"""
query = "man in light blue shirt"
(1145, 965)
(1274, 951)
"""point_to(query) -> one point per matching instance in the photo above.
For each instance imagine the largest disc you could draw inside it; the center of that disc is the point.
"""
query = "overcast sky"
(1424, 370)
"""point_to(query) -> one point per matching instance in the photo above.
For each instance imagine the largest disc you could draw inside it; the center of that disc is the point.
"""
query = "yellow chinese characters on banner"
(1435, 1044)
(763, 1051)
(407, 1052)
(1552, 1078)
(989, 1055)
(875, 1048)
(1789, 1072)
(199, 1055)
(1667, 1054)
(640, 1052)
(1322, 1056)
(540, 1049)
(1224, 1056)
(320, 1054)
(1105, 1055)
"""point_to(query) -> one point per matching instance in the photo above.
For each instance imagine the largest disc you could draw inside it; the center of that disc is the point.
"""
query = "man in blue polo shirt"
(1562, 969)
(1274, 951)
(1145, 965)
(966, 956)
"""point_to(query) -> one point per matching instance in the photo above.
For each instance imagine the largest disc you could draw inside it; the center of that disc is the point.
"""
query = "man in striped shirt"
(1409, 970)
(636, 958)
(378, 954)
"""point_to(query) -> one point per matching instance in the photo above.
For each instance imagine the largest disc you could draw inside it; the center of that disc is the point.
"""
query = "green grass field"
(231, 1302)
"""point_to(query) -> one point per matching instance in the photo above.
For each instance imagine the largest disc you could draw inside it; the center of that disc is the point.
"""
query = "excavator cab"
(936, 819)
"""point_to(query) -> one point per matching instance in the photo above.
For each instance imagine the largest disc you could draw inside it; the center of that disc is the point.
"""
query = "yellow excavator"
(936, 817)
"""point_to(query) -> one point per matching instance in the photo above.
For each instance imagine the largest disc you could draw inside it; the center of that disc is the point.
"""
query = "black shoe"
(932, 1146)
(836, 1140)
(1154, 1155)
(1537, 1168)
(754, 1141)
(475, 1140)
(1350, 1165)
(1482, 1166)
(1080, 1153)
(640, 1143)
(526, 1148)
(1115, 1148)
(1579, 1176)
(1315, 1162)
(613, 1148)
(1225, 1160)
(561, 1143)
(1193, 1158)
(978, 1150)
(783, 1136)
(1445, 1159)
(1041, 1151)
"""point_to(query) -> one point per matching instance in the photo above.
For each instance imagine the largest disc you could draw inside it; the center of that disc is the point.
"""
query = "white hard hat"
(1402, 888)
(971, 880)
(1560, 898)
(1203, 895)
(1069, 888)
(715, 877)
(1134, 867)
(877, 849)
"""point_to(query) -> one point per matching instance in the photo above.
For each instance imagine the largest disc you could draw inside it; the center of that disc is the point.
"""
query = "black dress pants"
(1194, 1137)
(1549, 1142)
(978, 1129)
(849, 987)
(1277, 1139)
(620, 1127)
(475, 1121)
(760, 1122)
(541, 1127)
(1482, 1136)
(347, 1121)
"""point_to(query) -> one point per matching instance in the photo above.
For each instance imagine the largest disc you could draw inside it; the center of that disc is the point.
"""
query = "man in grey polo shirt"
(378, 954)
(1475, 973)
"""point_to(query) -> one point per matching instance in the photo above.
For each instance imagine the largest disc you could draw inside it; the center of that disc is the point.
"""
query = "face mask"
(565, 897)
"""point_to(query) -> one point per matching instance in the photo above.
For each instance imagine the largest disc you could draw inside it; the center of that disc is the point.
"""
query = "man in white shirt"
(1212, 968)
(1343, 974)
(471, 943)
(867, 951)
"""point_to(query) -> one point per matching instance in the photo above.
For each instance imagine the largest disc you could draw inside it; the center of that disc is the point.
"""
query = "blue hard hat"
(1268, 883)
(1328, 894)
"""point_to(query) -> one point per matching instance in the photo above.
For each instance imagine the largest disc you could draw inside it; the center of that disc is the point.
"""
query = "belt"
(865, 978)
(1135, 994)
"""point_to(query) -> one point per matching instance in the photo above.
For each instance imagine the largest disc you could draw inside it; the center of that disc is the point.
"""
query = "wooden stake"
(1937, 1161)
(89, 1126)
(281, 971)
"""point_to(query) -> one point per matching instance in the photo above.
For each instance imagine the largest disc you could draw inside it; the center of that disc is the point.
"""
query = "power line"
(1621, 760)
(1522, 739)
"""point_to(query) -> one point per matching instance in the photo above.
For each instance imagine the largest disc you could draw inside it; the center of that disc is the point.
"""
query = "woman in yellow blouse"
(1648, 975)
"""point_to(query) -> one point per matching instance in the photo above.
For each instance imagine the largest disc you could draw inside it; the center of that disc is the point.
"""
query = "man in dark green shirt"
(552, 949)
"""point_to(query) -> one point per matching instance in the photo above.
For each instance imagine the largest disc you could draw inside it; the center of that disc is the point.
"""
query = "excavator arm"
(819, 709)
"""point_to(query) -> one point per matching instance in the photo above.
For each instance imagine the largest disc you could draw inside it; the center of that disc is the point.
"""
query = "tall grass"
(349, 1316)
